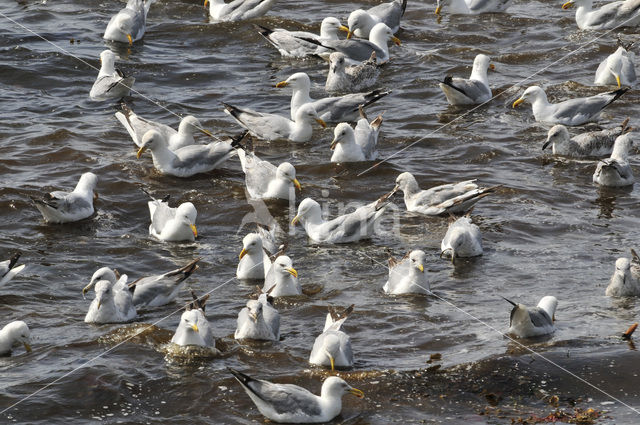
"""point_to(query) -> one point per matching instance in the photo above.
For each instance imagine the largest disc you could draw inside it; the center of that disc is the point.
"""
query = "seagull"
(527, 322)
(407, 276)
(172, 224)
(194, 328)
(276, 127)
(293, 43)
(252, 323)
(12, 334)
(266, 181)
(122, 297)
(588, 144)
(359, 145)
(358, 50)
(612, 15)
(293, 404)
(138, 126)
(462, 239)
(570, 112)
(8, 268)
(472, 91)
(472, 7)
(452, 198)
(615, 171)
(111, 83)
(329, 109)
(351, 227)
(361, 22)
(333, 347)
(617, 69)
(282, 279)
(254, 262)
(128, 25)
(68, 207)
(351, 79)
(238, 10)
(103, 308)
(186, 161)
(625, 281)
(161, 289)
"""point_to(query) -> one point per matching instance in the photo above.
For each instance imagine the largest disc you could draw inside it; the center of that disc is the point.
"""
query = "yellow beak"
(296, 183)
(253, 316)
(396, 40)
(141, 151)
(517, 102)
(206, 2)
(207, 132)
(293, 271)
(492, 67)
(345, 29)
(567, 5)
(356, 392)
(194, 230)
(349, 33)
(321, 122)
(332, 362)
(333, 144)
(282, 84)
(27, 346)
(242, 254)
(421, 268)
(438, 9)
(99, 304)
(130, 39)
(618, 81)
(95, 195)
(194, 327)
(86, 289)
(295, 220)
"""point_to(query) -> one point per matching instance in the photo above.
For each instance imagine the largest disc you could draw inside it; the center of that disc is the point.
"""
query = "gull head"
(287, 172)
(298, 81)
(307, 114)
(124, 24)
(549, 304)
(623, 269)
(189, 320)
(342, 133)
(482, 62)
(531, 95)
(104, 292)
(406, 183)
(358, 19)
(151, 140)
(283, 266)
(337, 62)
(621, 146)
(456, 240)
(307, 210)
(255, 310)
(557, 135)
(381, 33)
(252, 243)
(88, 182)
(334, 387)
(104, 273)
(108, 61)
(417, 260)
(331, 347)
(19, 333)
(614, 65)
(330, 27)
(191, 124)
(186, 213)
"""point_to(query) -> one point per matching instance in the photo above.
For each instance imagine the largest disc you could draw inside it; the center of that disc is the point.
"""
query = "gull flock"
(354, 64)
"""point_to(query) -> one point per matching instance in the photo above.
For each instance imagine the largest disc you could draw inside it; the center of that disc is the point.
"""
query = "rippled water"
(549, 230)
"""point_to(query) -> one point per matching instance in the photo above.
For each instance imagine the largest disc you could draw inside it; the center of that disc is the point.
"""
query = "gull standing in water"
(290, 403)
(329, 109)
(333, 347)
(452, 198)
(161, 289)
(8, 268)
(351, 145)
(527, 322)
(266, 181)
(472, 7)
(172, 224)
(361, 22)
(588, 144)
(612, 15)
(472, 91)
(407, 276)
(122, 297)
(111, 83)
(625, 281)
(237, 10)
(615, 171)
(129, 24)
(351, 79)
(463, 239)
(68, 207)
(12, 334)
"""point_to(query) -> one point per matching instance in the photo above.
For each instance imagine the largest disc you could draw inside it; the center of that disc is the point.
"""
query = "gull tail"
(198, 302)
(509, 301)
(186, 271)
(616, 95)
(165, 199)
(625, 126)
(266, 32)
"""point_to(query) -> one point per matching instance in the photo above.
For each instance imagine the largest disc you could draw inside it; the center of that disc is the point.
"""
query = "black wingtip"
(509, 301)
(241, 377)
(618, 93)
(236, 142)
(404, 6)
(14, 259)
(264, 31)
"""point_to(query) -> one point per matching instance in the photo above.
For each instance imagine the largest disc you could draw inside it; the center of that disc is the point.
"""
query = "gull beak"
(396, 40)
(449, 251)
(86, 289)
(546, 144)
(194, 230)
(296, 183)
(242, 254)
(292, 271)
(332, 361)
(349, 34)
(295, 220)
(99, 304)
(356, 392)
(27, 346)
(253, 316)
(517, 102)
(141, 151)
(618, 81)
(95, 195)
(492, 67)
(567, 5)
(453, 257)
(438, 9)
(195, 327)
(334, 143)
(321, 122)
(207, 132)
(421, 268)
(345, 29)
(282, 84)
(206, 2)
(130, 39)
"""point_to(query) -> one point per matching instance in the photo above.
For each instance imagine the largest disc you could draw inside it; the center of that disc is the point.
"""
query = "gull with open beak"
(625, 281)
(294, 44)
(617, 69)
(111, 83)
(471, 91)
(613, 14)
(138, 126)
(527, 322)
(407, 276)
(237, 10)
(361, 22)
(588, 144)
(463, 239)
(333, 347)
(351, 145)
(472, 7)
(266, 181)
(129, 24)
(13, 334)
(122, 296)
(172, 224)
(290, 403)
(68, 207)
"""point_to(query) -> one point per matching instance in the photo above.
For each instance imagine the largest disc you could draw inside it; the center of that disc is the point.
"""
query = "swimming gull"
(588, 144)
(13, 334)
(254, 262)
(617, 69)
(472, 7)
(350, 79)
(129, 24)
(276, 127)
(361, 22)
(293, 43)
(451, 198)
(471, 91)
(615, 171)
(570, 112)
(138, 126)
(67, 207)
(333, 346)
(329, 109)
(266, 181)
(527, 322)
(194, 327)
(359, 145)
(252, 323)
(172, 224)
(161, 289)
(350, 227)
(125, 309)
(111, 83)
(611, 15)
(282, 278)
(625, 281)
(8, 268)
(407, 275)
(290, 403)
(463, 239)
(237, 10)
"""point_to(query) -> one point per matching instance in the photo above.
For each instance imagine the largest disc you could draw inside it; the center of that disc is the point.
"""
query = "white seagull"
(111, 83)
(611, 15)
(463, 239)
(407, 276)
(361, 22)
(124, 309)
(194, 327)
(8, 268)
(67, 207)
(527, 322)
(472, 7)
(12, 334)
(254, 262)
(172, 224)
(266, 181)
(617, 69)
(615, 171)
(104, 309)
(129, 24)
(588, 144)
(471, 91)
(237, 10)
(282, 278)
(253, 323)
(625, 281)
(333, 347)
(351, 145)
